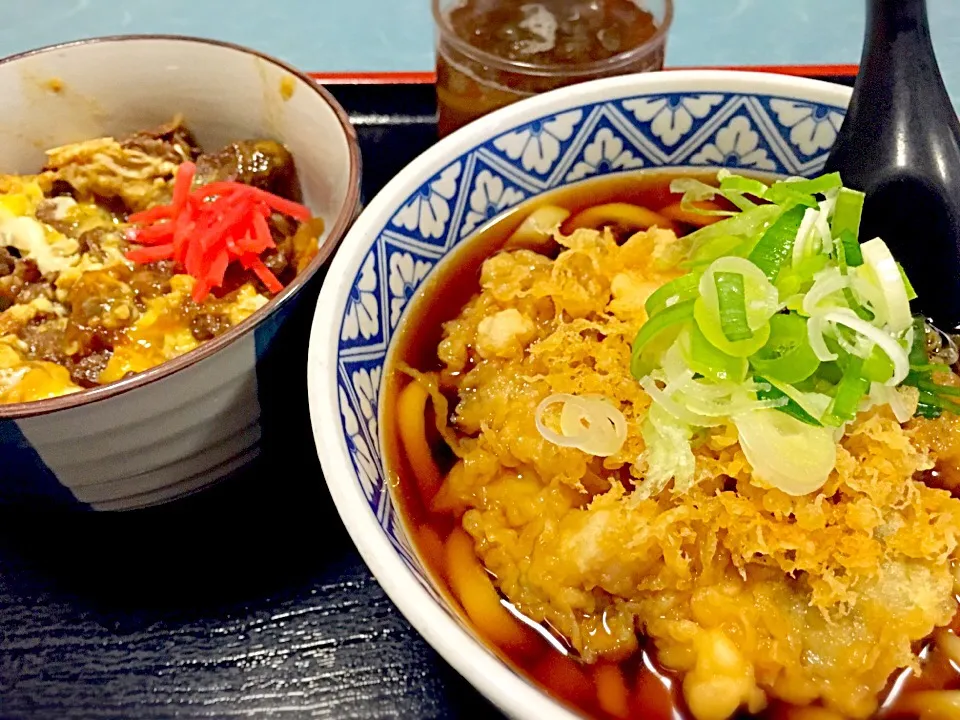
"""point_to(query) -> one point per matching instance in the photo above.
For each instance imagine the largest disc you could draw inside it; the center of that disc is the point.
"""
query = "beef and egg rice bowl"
(122, 253)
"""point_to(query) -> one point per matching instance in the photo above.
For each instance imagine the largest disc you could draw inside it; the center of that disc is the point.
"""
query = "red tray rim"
(428, 78)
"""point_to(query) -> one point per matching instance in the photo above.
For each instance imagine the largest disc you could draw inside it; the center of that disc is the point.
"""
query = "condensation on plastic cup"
(472, 81)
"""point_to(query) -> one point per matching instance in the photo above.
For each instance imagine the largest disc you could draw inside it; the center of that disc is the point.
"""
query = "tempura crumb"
(504, 334)
(753, 594)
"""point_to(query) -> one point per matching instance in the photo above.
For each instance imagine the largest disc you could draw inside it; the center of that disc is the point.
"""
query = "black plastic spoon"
(900, 144)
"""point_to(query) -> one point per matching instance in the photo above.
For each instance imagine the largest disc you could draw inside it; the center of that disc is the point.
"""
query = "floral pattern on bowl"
(749, 132)
(688, 120)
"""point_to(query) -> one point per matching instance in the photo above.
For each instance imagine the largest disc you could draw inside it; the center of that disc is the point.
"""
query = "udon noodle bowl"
(680, 449)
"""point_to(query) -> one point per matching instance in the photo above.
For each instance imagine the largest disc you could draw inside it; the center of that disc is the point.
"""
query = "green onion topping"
(733, 306)
(782, 311)
(776, 245)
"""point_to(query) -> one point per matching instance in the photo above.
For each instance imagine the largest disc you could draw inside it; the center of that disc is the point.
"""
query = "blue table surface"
(397, 35)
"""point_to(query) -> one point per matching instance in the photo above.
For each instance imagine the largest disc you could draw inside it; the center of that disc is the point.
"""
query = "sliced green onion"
(850, 390)
(934, 396)
(713, 249)
(776, 245)
(928, 368)
(856, 306)
(821, 348)
(877, 367)
(911, 293)
(809, 394)
(827, 283)
(794, 303)
(883, 270)
(668, 318)
(899, 405)
(928, 405)
(732, 305)
(695, 190)
(792, 408)
(840, 251)
(786, 453)
(740, 184)
(788, 283)
(938, 401)
(804, 243)
(709, 325)
(787, 355)
(851, 248)
(915, 378)
(748, 225)
(826, 377)
(738, 200)
(822, 225)
(789, 193)
(843, 245)
(922, 384)
(839, 346)
(650, 357)
(881, 338)
(918, 350)
(706, 359)
(760, 296)
(686, 287)
(846, 213)
(799, 278)
(949, 405)
(786, 197)
(813, 186)
(850, 342)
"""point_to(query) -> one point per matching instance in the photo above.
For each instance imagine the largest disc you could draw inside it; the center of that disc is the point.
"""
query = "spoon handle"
(900, 144)
(898, 48)
(898, 90)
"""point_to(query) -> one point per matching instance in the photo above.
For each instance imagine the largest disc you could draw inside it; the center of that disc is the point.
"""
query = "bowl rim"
(347, 213)
(470, 657)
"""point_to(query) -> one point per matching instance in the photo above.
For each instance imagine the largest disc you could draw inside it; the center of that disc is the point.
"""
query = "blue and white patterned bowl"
(194, 420)
(678, 120)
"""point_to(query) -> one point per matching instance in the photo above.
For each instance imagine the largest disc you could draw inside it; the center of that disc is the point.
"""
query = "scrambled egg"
(49, 249)
(749, 593)
(140, 339)
(103, 168)
(161, 333)
(24, 380)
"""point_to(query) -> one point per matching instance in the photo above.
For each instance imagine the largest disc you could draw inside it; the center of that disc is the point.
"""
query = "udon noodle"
(633, 591)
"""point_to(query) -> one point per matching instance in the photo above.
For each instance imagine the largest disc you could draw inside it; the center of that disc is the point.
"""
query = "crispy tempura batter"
(752, 593)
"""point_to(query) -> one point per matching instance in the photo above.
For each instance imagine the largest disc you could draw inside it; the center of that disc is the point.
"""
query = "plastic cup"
(472, 80)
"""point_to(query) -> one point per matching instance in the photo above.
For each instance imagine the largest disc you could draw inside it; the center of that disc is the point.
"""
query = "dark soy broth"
(651, 692)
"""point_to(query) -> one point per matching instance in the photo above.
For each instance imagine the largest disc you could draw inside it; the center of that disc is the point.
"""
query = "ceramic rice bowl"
(192, 421)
